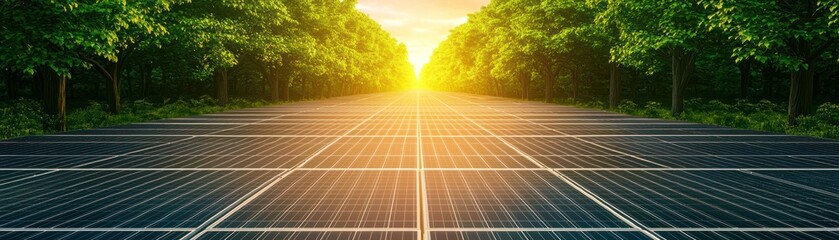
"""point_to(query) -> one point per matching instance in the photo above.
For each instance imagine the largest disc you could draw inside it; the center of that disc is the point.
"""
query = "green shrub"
(628, 107)
(20, 118)
(24, 117)
(824, 123)
(762, 115)
(655, 110)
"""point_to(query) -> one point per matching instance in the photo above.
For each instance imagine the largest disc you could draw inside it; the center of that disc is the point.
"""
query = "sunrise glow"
(420, 24)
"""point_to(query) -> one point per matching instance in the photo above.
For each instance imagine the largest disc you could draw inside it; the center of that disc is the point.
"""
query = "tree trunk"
(499, 88)
(285, 85)
(614, 84)
(801, 93)
(113, 89)
(273, 84)
(575, 83)
(220, 76)
(549, 88)
(145, 75)
(54, 100)
(682, 68)
(303, 91)
(525, 89)
(111, 76)
(745, 78)
(328, 89)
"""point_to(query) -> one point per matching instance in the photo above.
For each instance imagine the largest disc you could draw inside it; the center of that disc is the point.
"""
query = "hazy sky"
(420, 24)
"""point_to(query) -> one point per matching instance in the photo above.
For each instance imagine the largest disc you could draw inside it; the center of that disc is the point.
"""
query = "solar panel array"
(418, 165)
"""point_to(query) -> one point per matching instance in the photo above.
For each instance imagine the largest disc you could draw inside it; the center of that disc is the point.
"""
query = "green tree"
(789, 35)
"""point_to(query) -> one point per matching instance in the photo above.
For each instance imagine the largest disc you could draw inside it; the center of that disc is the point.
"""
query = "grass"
(24, 117)
(763, 115)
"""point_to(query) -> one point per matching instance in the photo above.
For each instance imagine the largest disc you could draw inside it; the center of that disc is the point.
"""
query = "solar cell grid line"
(129, 199)
(90, 235)
(423, 222)
(41, 174)
(726, 199)
(750, 235)
(623, 217)
(818, 181)
(332, 199)
(173, 142)
(563, 133)
(232, 209)
(512, 199)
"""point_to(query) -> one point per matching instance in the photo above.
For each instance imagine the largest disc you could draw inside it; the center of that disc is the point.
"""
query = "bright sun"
(420, 24)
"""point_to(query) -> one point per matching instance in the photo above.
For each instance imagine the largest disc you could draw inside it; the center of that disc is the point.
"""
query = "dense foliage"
(646, 50)
(763, 115)
(24, 117)
(115, 51)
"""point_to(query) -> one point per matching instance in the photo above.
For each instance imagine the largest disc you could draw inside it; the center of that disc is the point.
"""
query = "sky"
(420, 24)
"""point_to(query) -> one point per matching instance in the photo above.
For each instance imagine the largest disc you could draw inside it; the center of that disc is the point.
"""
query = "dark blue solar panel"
(716, 199)
(91, 235)
(751, 235)
(123, 199)
(538, 235)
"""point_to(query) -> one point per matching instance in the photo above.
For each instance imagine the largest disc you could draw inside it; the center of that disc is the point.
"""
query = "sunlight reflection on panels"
(305, 235)
(201, 161)
(334, 199)
(477, 161)
(372, 146)
(242, 146)
(557, 146)
(510, 199)
(465, 146)
(363, 161)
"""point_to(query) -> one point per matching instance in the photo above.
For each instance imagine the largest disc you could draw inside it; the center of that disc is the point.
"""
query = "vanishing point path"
(418, 165)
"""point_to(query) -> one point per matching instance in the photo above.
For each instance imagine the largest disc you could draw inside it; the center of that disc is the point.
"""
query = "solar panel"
(510, 199)
(538, 235)
(17, 162)
(59, 149)
(825, 180)
(751, 235)
(746, 161)
(333, 199)
(92, 235)
(123, 199)
(418, 165)
(7, 177)
(709, 199)
(310, 235)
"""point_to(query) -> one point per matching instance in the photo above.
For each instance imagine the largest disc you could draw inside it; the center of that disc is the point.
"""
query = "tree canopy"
(159, 49)
(583, 50)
